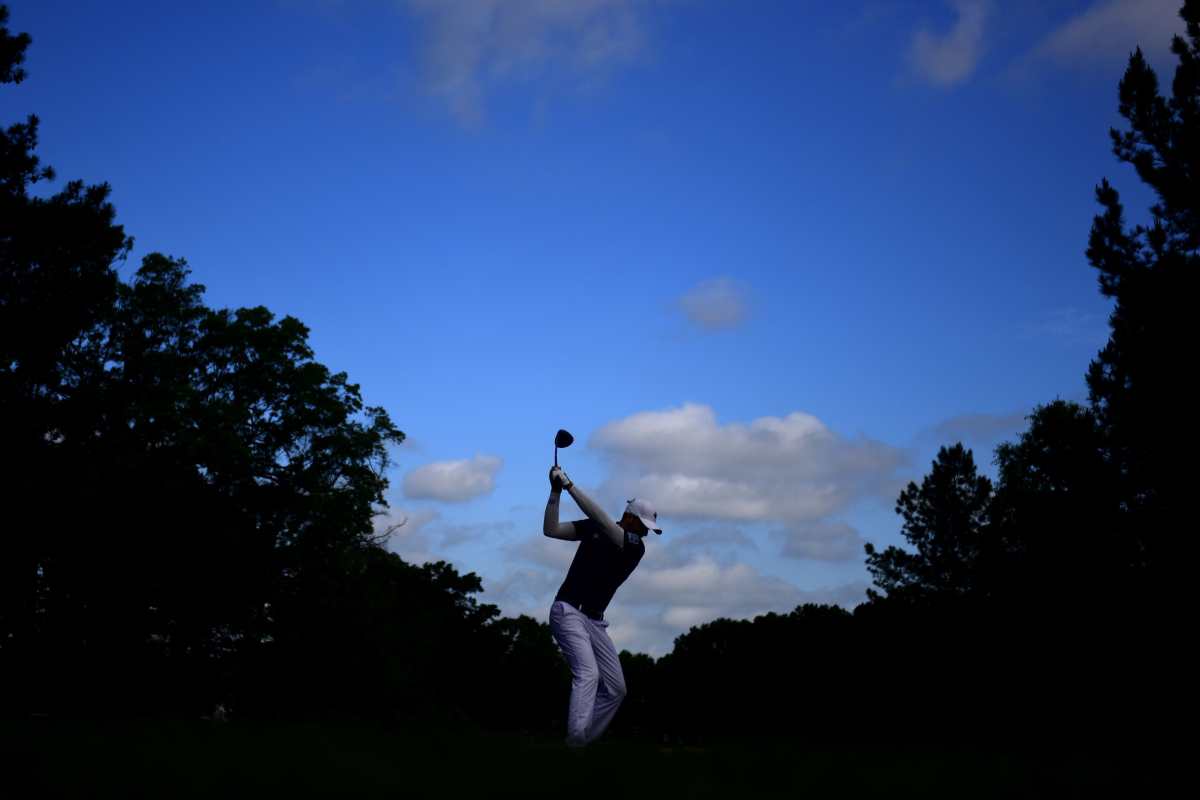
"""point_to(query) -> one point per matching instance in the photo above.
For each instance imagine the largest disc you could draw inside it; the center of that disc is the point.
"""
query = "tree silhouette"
(12, 51)
(190, 500)
(1079, 553)
(1139, 383)
(1055, 513)
(944, 520)
(225, 472)
(57, 283)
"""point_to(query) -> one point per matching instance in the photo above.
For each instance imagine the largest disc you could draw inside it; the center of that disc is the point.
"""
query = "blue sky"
(762, 259)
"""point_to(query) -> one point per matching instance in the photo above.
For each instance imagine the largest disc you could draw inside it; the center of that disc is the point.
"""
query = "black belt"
(582, 607)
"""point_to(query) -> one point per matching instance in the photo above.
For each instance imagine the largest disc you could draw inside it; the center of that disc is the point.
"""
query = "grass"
(240, 758)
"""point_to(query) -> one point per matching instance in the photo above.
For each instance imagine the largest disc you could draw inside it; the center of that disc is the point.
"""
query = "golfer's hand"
(558, 479)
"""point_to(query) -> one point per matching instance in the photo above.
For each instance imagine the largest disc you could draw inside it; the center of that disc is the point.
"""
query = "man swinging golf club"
(607, 554)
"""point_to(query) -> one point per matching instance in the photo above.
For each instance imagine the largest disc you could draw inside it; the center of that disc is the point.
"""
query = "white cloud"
(703, 581)
(820, 541)
(664, 598)
(1109, 30)
(423, 535)
(534, 568)
(978, 429)
(713, 537)
(789, 468)
(685, 617)
(949, 58)
(454, 535)
(453, 481)
(672, 590)
(542, 551)
(408, 538)
(715, 304)
(724, 483)
(471, 46)
(524, 590)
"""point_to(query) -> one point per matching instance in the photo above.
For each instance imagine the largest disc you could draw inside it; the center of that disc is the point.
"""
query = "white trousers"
(597, 683)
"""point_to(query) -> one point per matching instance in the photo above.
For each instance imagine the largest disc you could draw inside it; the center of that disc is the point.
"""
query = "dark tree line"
(189, 499)
(188, 505)
(1048, 605)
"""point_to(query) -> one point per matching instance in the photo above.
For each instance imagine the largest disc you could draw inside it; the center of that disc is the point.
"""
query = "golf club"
(561, 439)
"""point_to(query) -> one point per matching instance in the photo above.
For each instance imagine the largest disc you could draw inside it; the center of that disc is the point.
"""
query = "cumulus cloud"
(1109, 30)
(949, 58)
(673, 589)
(653, 630)
(471, 46)
(702, 581)
(714, 537)
(409, 538)
(454, 535)
(423, 535)
(976, 429)
(820, 541)
(789, 468)
(534, 568)
(523, 590)
(453, 481)
(716, 304)
(722, 482)
(666, 596)
(542, 551)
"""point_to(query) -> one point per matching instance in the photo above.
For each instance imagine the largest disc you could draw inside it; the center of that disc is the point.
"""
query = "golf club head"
(561, 439)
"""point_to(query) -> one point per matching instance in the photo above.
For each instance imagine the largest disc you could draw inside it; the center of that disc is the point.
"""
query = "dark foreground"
(240, 758)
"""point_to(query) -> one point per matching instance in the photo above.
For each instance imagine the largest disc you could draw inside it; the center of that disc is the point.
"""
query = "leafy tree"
(175, 476)
(534, 677)
(1055, 512)
(57, 284)
(794, 674)
(226, 475)
(944, 520)
(190, 499)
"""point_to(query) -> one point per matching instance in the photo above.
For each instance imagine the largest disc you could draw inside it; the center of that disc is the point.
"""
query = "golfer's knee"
(614, 689)
(585, 679)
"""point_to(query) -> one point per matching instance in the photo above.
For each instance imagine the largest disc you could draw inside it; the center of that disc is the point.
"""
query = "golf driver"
(561, 439)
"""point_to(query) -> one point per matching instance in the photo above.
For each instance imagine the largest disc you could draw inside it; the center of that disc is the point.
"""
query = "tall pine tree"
(1139, 384)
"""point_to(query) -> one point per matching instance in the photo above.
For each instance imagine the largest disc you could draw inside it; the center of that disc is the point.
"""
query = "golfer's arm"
(596, 514)
(551, 526)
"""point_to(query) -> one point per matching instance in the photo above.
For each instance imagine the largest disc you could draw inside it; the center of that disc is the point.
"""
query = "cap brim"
(649, 523)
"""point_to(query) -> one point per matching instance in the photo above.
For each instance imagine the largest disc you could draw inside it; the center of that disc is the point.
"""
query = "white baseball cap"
(645, 512)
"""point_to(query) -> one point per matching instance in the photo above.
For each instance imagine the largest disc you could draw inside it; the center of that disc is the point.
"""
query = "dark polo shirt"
(598, 568)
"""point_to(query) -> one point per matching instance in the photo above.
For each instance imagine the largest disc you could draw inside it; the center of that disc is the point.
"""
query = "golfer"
(607, 554)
